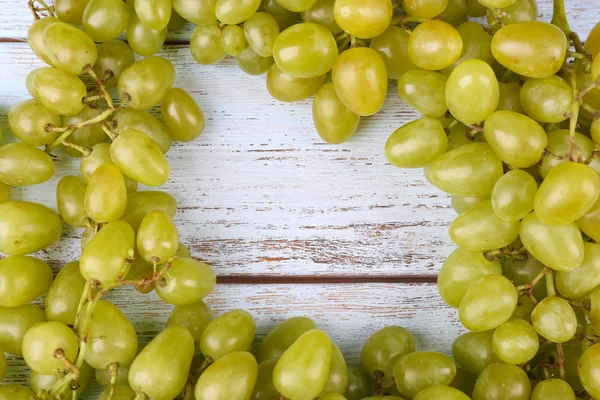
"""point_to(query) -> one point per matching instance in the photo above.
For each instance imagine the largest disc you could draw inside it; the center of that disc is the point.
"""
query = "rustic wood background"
(291, 225)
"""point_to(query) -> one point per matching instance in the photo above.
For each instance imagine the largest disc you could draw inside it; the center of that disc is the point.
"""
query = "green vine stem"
(113, 369)
(559, 17)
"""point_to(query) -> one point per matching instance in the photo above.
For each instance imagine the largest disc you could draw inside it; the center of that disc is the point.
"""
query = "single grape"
(105, 19)
(547, 99)
(260, 31)
(296, 5)
(146, 82)
(559, 143)
(253, 64)
(460, 135)
(285, 18)
(23, 279)
(14, 323)
(142, 273)
(434, 45)
(86, 136)
(334, 122)
(286, 88)
(103, 377)
(157, 238)
(553, 389)
(41, 342)
(40, 382)
(441, 392)
(186, 281)
(474, 351)
(425, 91)
(425, 8)
(416, 144)
(233, 12)
(122, 392)
(63, 295)
(194, 317)
(475, 9)
(15, 392)
(337, 382)
(502, 382)
(322, 13)
(105, 197)
(4, 193)
(363, 19)
(87, 235)
(522, 271)
(455, 12)
(141, 203)
(392, 46)
(100, 155)
(70, 194)
(35, 37)
(496, 3)
(360, 384)
(114, 56)
(129, 118)
(384, 348)
(181, 115)
(29, 80)
(422, 369)
(515, 342)
(588, 368)
(68, 48)
(176, 22)
(198, 12)
(510, 97)
(205, 44)
(231, 377)
(70, 11)
(27, 121)
(282, 337)
(595, 68)
(463, 381)
(461, 204)
(233, 40)
(589, 223)
(519, 11)
(24, 165)
(155, 14)
(59, 91)
(333, 396)
(230, 332)
(264, 388)
(142, 39)
(554, 319)
(513, 195)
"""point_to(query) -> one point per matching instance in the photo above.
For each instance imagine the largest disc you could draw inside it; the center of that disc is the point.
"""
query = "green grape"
(29, 81)
(333, 396)
(104, 258)
(502, 382)
(515, 342)
(441, 392)
(23, 280)
(422, 369)
(496, 3)
(230, 332)
(305, 50)
(122, 392)
(233, 12)
(286, 88)
(233, 40)
(114, 56)
(141, 203)
(194, 317)
(477, 44)
(68, 48)
(460, 135)
(489, 302)
(15, 392)
(363, 19)
(522, 271)
(27, 227)
(105, 197)
(141, 272)
(103, 377)
(392, 46)
(105, 19)
(425, 8)
(519, 11)
(459, 271)
(513, 195)
(595, 68)
(161, 369)
(470, 170)
(533, 49)
(554, 319)
(41, 342)
(140, 158)
(589, 223)
(416, 144)
(27, 121)
(87, 235)
(35, 37)
(129, 118)
(559, 143)
(553, 389)
(296, 5)
(434, 45)
(282, 337)
(510, 97)
(155, 14)
(229, 378)
(337, 382)
(157, 238)
(186, 281)
(183, 251)
(524, 309)
(3, 366)
(64, 293)
(595, 129)
(322, 13)
(383, 398)
(334, 122)
(146, 82)
(198, 12)
(205, 44)
(425, 91)
(40, 382)
(592, 43)
(264, 388)
(384, 348)
(285, 18)
(461, 204)
(253, 64)
(301, 374)
(588, 368)
(455, 12)
(4, 193)
(474, 351)
(14, 323)
(142, 39)
(181, 115)
(70, 11)
(475, 9)
(59, 91)
(24, 165)
(176, 22)
(100, 155)
(472, 92)
(547, 99)
(86, 136)
(463, 381)
(260, 31)
(70, 194)
(360, 384)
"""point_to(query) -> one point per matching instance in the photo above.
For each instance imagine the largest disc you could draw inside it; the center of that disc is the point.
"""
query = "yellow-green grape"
(114, 56)
(513, 195)
(105, 19)
(363, 19)
(24, 165)
(461, 204)
(554, 319)
(229, 378)
(455, 12)
(425, 8)
(360, 384)
(460, 135)
(161, 369)
(590, 222)
(384, 348)
(519, 11)
(253, 64)
(425, 91)
(122, 392)
(198, 12)
(41, 342)
(87, 235)
(502, 382)
(553, 389)
(285, 18)
(186, 281)
(105, 257)
(460, 270)
(100, 155)
(416, 144)
(233, 12)
(523, 271)
(86, 136)
(129, 118)
(510, 97)
(569, 191)
(14, 323)
(106, 195)
(441, 392)
(305, 50)
(469, 170)
(489, 302)
(28, 119)
(335, 123)
(392, 46)
(337, 382)
(232, 331)
(60, 92)
(560, 247)
(176, 22)
(595, 129)
(233, 40)
(260, 31)
(422, 369)
(142, 39)
(474, 351)
(112, 337)
(15, 392)
(29, 80)
(547, 99)
(23, 280)
(477, 44)
(63, 295)
(35, 37)
(588, 368)
(434, 45)
(472, 91)
(296, 5)
(27, 227)
(322, 13)
(515, 342)
(146, 82)
(141, 272)
(140, 158)
(183, 251)
(582, 280)
(155, 14)
(70, 194)
(592, 43)
(533, 49)
(4, 193)
(360, 79)
(595, 68)
(69, 48)
(559, 144)
(282, 337)
(264, 388)
(496, 3)
(70, 11)
(286, 88)
(39, 382)
(463, 381)
(301, 374)
(194, 317)
(475, 9)
(139, 204)
(182, 116)
(205, 44)
(157, 238)
(103, 377)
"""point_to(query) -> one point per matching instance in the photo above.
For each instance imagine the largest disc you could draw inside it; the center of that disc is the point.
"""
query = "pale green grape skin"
(23, 279)
(282, 337)
(205, 44)
(194, 317)
(496, 3)
(104, 256)
(425, 8)
(253, 64)
(305, 50)
(460, 135)
(87, 136)
(233, 12)
(426, 41)
(475, 9)
(70, 11)
(477, 44)
(35, 37)
(590, 222)
(229, 378)
(322, 13)
(559, 144)
(337, 382)
(384, 348)
(129, 118)
(502, 382)
(489, 302)
(260, 31)
(461, 204)
(233, 40)
(521, 272)
(441, 392)
(105, 197)
(197, 12)
(554, 319)
(360, 384)
(474, 351)
(27, 120)
(264, 388)
(15, 392)
(4, 193)
(100, 155)
(422, 369)
(146, 81)
(472, 92)
(547, 99)
(29, 82)
(59, 91)
(86, 236)
(363, 19)
(40, 343)
(40, 382)
(14, 323)
(155, 14)
(296, 5)
(286, 88)
(424, 91)
(232, 331)
(459, 271)
(157, 238)
(510, 97)
(383, 398)
(392, 46)
(24, 165)
(105, 19)
(63, 295)
(142, 39)
(176, 22)
(183, 251)
(334, 122)
(70, 194)
(595, 68)
(27, 227)
(588, 369)
(122, 392)
(333, 396)
(513, 195)
(416, 144)
(186, 281)
(515, 342)
(103, 377)
(519, 11)
(285, 18)
(113, 55)
(553, 389)
(182, 116)
(139, 204)
(161, 369)
(68, 48)
(463, 381)
(302, 375)
(455, 12)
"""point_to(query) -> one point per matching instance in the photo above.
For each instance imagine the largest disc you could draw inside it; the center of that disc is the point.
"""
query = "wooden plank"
(348, 313)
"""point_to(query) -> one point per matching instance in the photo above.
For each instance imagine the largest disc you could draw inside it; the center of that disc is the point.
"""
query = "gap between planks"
(317, 279)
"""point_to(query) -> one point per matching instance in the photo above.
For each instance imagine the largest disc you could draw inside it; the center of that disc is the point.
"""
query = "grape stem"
(473, 127)
(107, 130)
(58, 141)
(113, 369)
(82, 300)
(92, 99)
(559, 16)
(44, 7)
(83, 150)
(528, 288)
(550, 284)
(561, 361)
(60, 354)
(507, 251)
(140, 396)
(585, 304)
(88, 68)
(99, 118)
